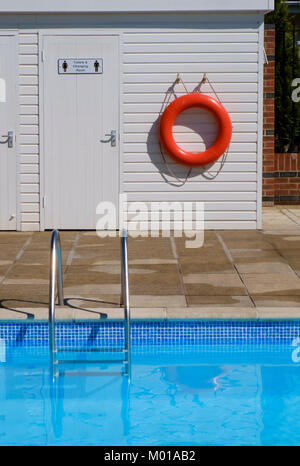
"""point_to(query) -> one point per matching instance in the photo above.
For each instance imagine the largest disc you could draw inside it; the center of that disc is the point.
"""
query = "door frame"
(15, 33)
(42, 33)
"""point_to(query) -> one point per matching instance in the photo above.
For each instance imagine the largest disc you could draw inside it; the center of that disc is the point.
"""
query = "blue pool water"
(196, 383)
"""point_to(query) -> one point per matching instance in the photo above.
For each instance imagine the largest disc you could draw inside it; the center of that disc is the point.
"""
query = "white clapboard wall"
(154, 48)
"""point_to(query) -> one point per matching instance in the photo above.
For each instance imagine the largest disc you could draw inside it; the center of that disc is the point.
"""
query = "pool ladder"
(56, 278)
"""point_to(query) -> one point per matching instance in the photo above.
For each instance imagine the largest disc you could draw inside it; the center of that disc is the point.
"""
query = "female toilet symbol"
(96, 65)
(65, 66)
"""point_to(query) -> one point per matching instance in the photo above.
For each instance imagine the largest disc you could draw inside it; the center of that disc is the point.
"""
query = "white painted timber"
(99, 6)
(80, 165)
(154, 48)
(29, 130)
(8, 122)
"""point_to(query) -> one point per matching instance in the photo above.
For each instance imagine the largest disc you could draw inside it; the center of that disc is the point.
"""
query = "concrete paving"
(237, 274)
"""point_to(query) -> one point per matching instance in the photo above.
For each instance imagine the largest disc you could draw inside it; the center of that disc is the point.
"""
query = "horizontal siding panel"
(28, 49)
(30, 217)
(29, 90)
(208, 206)
(218, 77)
(29, 109)
(29, 188)
(181, 171)
(29, 226)
(29, 100)
(30, 207)
(197, 187)
(146, 127)
(229, 225)
(159, 98)
(190, 47)
(29, 149)
(29, 138)
(28, 59)
(187, 67)
(29, 178)
(153, 117)
(208, 216)
(156, 107)
(29, 158)
(30, 80)
(29, 119)
(156, 157)
(161, 87)
(191, 147)
(29, 197)
(29, 129)
(202, 37)
(28, 38)
(193, 178)
(28, 70)
(190, 58)
(191, 196)
(29, 168)
(189, 137)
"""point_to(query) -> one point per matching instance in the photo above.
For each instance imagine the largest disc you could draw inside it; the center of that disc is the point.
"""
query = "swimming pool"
(193, 383)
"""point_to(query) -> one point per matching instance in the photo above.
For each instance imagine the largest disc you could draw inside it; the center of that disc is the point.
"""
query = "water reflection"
(58, 379)
(172, 399)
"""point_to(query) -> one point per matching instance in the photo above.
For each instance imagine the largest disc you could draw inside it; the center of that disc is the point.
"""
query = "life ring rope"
(170, 92)
(197, 90)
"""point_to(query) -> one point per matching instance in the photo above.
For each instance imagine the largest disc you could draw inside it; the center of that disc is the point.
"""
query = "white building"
(58, 170)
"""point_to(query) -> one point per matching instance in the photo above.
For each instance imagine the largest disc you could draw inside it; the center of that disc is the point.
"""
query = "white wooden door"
(79, 110)
(8, 111)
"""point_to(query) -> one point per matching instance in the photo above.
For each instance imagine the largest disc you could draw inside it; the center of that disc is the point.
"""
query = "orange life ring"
(168, 119)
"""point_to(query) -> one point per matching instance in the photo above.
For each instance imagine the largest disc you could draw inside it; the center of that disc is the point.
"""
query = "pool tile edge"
(162, 313)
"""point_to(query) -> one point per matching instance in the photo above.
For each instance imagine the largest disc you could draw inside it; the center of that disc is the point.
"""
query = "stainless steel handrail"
(55, 277)
(125, 300)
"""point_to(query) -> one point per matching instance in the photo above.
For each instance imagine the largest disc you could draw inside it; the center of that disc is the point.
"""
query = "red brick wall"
(287, 179)
(281, 172)
(268, 185)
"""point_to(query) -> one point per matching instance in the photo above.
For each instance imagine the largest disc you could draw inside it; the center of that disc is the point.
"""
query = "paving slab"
(212, 313)
(249, 265)
(193, 266)
(245, 243)
(236, 270)
(224, 301)
(217, 284)
(282, 302)
(152, 301)
(272, 284)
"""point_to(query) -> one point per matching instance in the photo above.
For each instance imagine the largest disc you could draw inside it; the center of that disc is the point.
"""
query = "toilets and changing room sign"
(80, 66)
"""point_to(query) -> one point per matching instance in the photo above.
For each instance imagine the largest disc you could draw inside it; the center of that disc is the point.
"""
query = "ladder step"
(90, 350)
(89, 373)
(88, 361)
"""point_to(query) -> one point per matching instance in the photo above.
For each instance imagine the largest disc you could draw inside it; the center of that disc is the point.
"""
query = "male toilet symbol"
(96, 65)
(65, 66)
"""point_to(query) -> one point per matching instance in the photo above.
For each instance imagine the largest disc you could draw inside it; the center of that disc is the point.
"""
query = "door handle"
(9, 139)
(112, 138)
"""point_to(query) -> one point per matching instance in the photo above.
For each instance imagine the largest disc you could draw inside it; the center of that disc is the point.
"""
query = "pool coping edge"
(163, 313)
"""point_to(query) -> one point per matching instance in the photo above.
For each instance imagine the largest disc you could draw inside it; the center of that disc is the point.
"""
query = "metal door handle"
(9, 139)
(112, 138)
